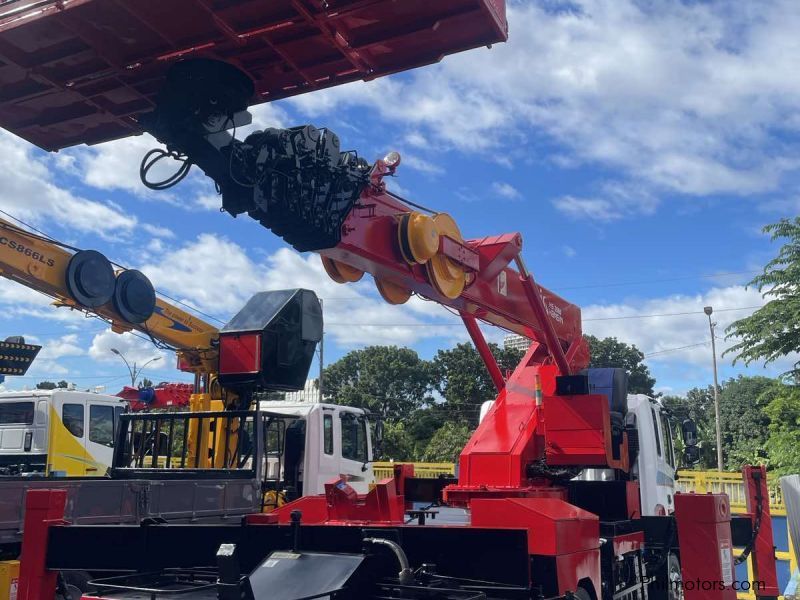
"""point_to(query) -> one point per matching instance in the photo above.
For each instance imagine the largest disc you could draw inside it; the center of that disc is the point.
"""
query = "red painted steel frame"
(342, 505)
(497, 293)
(578, 432)
(483, 349)
(519, 430)
(763, 554)
(42, 509)
(82, 71)
(543, 317)
(555, 528)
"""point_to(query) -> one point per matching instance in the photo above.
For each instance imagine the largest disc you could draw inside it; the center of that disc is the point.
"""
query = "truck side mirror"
(689, 431)
(691, 455)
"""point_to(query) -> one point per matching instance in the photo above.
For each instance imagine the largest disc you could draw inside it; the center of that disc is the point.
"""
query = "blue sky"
(638, 147)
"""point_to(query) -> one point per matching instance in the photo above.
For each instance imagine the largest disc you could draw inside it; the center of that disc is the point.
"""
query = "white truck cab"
(57, 432)
(321, 442)
(655, 466)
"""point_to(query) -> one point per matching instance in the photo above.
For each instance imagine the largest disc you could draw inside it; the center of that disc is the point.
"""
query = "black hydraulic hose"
(757, 525)
(406, 575)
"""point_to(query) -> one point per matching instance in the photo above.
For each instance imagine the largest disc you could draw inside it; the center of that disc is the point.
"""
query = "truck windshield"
(16, 413)
(354, 438)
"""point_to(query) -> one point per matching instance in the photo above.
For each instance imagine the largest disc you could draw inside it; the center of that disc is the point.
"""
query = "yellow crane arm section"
(41, 264)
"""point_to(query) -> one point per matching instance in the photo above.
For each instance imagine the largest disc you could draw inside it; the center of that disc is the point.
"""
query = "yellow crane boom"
(83, 279)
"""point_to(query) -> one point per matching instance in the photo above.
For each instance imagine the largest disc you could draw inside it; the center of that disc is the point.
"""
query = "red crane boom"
(381, 225)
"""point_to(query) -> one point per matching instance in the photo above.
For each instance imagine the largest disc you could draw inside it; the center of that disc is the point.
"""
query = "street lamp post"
(321, 358)
(711, 325)
(134, 372)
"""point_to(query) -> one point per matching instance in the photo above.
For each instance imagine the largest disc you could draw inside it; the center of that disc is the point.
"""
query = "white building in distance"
(516, 342)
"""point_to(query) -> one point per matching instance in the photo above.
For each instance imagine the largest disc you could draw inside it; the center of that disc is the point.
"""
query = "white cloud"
(674, 95)
(595, 209)
(615, 201)
(135, 349)
(418, 164)
(47, 365)
(30, 193)
(115, 165)
(506, 190)
(354, 314)
(675, 337)
(396, 188)
(211, 202)
(264, 116)
(417, 140)
(569, 251)
(158, 231)
(16, 300)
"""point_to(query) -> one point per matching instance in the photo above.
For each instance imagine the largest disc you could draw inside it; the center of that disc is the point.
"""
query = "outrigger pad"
(134, 296)
(90, 278)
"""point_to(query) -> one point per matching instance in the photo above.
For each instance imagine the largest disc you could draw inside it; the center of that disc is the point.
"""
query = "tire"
(666, 583)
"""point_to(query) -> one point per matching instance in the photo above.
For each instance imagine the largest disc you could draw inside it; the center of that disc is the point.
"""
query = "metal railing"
(729, 483)
(220, 442)
(384, 470)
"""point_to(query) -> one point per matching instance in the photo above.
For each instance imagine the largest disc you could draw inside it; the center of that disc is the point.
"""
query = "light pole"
(321, 355)
(134, 372)
(709, 310)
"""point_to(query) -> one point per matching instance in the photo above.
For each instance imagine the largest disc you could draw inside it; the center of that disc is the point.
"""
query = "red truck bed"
(81, 71)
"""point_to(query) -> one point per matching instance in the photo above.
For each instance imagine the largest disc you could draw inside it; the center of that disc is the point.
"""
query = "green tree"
(423, 423)
(62, 384)
(773, 331)
(398, 443)
(783, 443)
(46, 385)
(447, 443)
(387, 380)
(462, 379)
(146, 383)
(610, 352)
(743, 422)
(697, 405)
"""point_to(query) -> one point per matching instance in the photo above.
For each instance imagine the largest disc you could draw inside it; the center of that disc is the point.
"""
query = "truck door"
(323, 448)
(355, 459)
(656, 462)
(68, 456)
(100, 440)
(666, 480)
